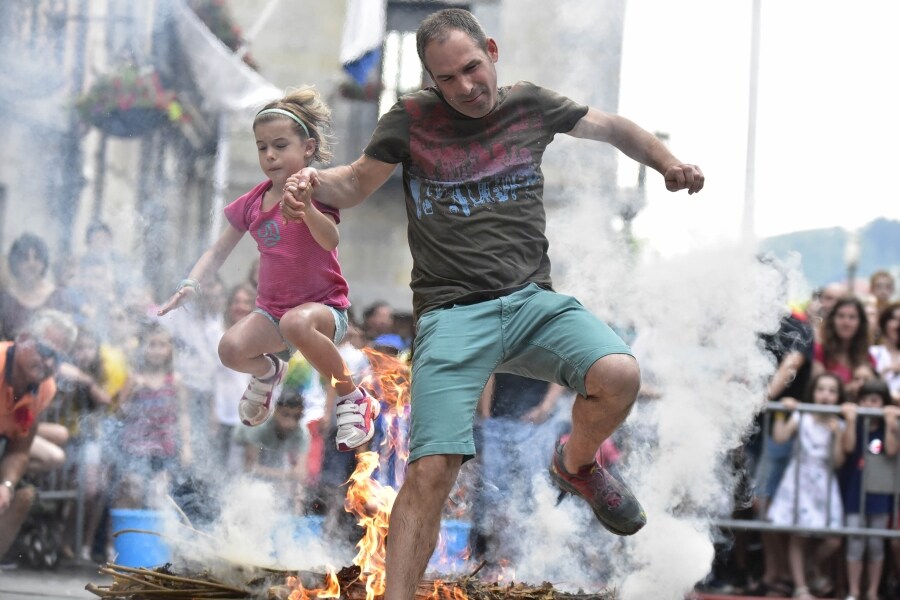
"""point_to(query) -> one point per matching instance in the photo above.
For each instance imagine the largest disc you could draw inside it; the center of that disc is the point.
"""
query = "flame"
(371, 502)
(443, 592)
(332, 588)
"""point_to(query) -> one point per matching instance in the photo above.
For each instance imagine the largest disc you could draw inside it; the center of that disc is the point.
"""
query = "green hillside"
(822, 250)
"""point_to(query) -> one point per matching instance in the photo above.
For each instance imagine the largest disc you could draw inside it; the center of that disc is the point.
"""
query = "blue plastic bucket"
(451, 553)
(308, 528)
(135, 549)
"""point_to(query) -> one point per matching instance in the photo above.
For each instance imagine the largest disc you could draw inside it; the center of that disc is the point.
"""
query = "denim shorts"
(340, 330)
(532, 332)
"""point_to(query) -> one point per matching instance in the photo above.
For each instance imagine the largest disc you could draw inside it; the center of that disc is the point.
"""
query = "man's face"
(883, 288)
(831, 293)
(464, 73)
(38, 356)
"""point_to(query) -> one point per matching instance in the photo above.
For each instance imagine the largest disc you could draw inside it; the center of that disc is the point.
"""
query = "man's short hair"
(438, 25)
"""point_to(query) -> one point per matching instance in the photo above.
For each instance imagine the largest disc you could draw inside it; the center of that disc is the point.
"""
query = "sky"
(827, 114)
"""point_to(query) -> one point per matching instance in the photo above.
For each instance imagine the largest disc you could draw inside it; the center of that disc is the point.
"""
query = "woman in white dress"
(808, 495)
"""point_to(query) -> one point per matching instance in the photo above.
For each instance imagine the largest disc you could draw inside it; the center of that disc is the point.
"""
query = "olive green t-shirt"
(474, 189)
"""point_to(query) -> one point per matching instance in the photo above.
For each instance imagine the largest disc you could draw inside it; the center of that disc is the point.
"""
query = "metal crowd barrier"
(55, 486)
(881, 475)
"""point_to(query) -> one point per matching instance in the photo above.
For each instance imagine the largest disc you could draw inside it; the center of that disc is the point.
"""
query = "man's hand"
(297, 194)
(684, 177)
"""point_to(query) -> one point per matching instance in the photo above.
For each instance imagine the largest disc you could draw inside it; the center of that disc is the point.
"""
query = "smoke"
(255, 527)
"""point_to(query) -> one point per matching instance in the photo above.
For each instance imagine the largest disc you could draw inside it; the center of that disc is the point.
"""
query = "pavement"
(66, 581)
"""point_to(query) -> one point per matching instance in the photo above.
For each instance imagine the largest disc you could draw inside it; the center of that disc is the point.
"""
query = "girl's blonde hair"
(309, 107)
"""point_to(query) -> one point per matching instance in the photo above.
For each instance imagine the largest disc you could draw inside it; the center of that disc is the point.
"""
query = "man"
(471, 155)
(822, 302)
(28, 365)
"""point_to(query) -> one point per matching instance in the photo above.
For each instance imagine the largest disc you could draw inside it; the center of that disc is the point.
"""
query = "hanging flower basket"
(129, 103)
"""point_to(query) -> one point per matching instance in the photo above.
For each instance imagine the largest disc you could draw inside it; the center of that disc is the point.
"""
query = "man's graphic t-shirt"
(474, 189)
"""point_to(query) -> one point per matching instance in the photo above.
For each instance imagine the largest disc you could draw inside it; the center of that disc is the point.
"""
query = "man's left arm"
(640, 145)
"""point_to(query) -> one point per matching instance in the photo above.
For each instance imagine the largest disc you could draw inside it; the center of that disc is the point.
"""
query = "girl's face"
(826, 391)
(282, 152)
(846, 322)
(871, 401)
(892, 327)
(241, 305)
(158, 350)
(861, 374)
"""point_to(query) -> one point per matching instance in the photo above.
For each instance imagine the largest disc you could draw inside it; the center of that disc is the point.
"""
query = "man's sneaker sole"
(561, 481)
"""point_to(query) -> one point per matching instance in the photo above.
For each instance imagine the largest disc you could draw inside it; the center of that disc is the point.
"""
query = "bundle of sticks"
(165, 583)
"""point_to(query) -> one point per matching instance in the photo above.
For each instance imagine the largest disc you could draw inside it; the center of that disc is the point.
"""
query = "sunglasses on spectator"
(47, 351)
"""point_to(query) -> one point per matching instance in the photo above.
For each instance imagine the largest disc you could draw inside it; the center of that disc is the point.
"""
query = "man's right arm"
(341, 187)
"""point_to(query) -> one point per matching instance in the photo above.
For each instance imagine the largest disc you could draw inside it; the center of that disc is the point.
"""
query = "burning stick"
(159, 584)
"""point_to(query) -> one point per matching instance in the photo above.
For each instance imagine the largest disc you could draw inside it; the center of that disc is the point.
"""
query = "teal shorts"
(532, 332)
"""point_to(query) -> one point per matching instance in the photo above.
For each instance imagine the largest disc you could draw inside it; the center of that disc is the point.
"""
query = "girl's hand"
(178, 299)
(789, 403)
(849, 411)
(295, 202)
(834, 423)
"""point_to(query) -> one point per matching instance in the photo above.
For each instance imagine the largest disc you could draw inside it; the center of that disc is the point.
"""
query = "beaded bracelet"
(191, 283)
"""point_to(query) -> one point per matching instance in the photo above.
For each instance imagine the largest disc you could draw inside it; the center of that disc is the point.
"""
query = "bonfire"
(371, 503)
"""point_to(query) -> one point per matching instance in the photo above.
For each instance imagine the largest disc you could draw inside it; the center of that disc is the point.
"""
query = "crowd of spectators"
(143, 409)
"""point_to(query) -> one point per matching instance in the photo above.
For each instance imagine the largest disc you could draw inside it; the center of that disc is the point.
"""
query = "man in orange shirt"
(26, 389)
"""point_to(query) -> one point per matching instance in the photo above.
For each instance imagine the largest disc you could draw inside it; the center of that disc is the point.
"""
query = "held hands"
(296, 198)
(684, 177)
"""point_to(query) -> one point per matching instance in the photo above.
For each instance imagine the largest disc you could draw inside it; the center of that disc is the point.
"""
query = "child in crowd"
(276, 450)
(863, 437)
(227, 382)
(154, 428)
(887, 354)
(82, 384)
(808, 494)
(302, 295)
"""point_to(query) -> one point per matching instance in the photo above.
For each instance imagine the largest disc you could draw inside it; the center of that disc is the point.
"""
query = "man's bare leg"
(612, 384)
(416, 520)
(11, 521)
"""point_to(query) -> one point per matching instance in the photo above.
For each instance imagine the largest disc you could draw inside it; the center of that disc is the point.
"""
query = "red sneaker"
(612, 502)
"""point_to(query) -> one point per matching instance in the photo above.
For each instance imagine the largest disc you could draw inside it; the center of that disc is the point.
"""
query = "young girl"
(863, 437)
(154, 428)
(810, 497)
(302, 296)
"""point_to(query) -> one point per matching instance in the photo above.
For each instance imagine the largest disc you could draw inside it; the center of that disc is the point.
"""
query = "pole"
(748, 229)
